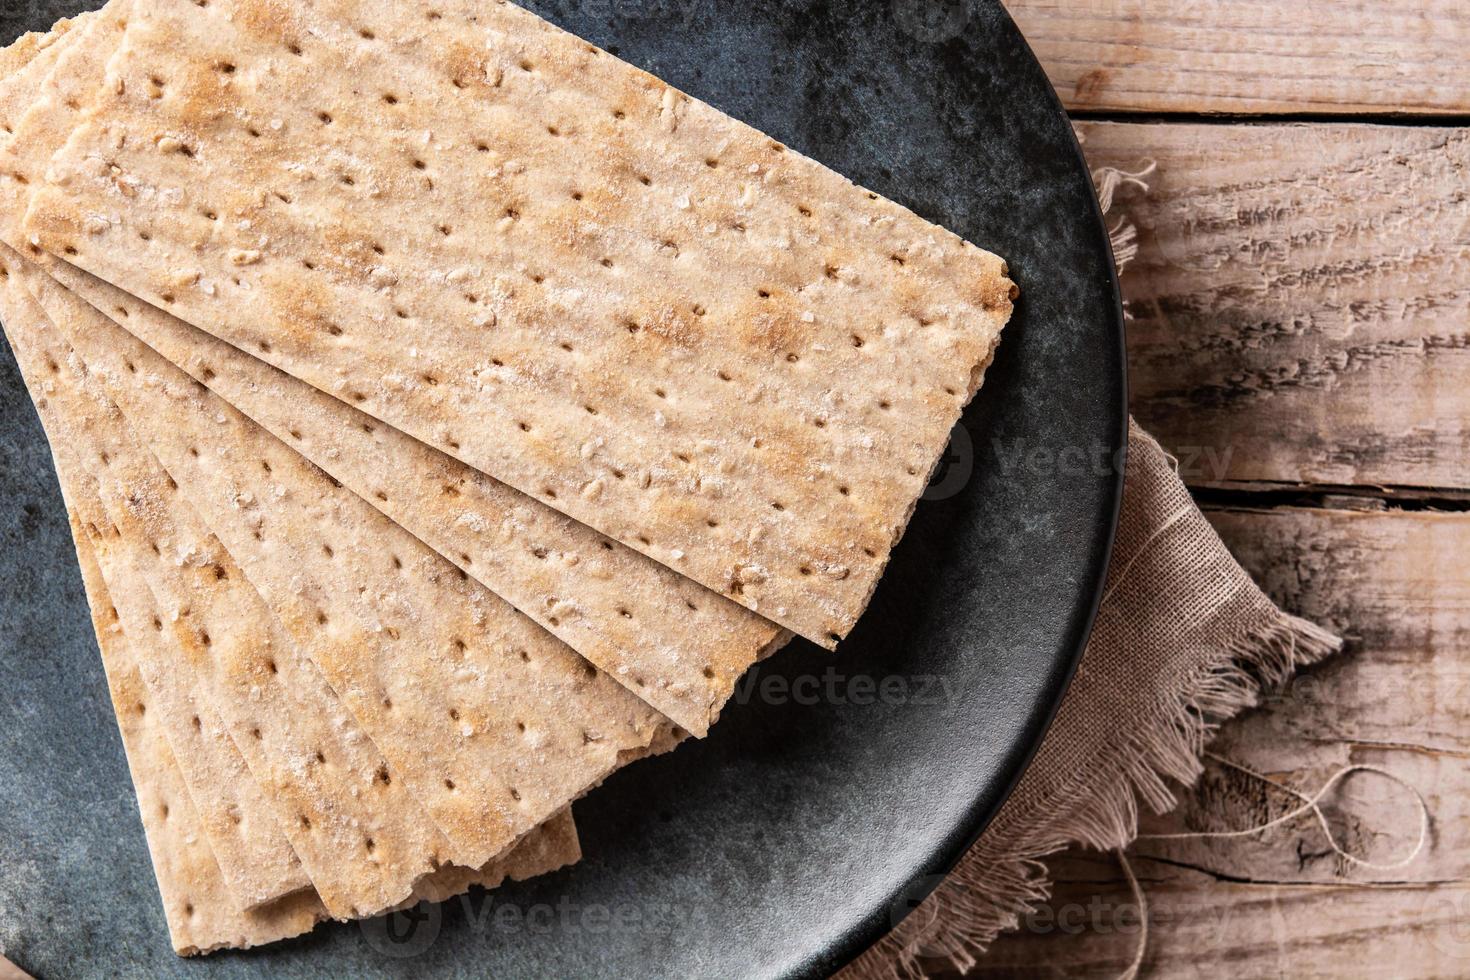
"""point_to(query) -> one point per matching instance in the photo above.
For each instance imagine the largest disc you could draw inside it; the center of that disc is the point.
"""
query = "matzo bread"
(197, 906)
(321, 725)
(201, 911)
(80, 54)
(28, 59)
(492, 723)
(20, 52)
(385, 817)
(674, 643)
(254, 865)
(256, 861)
(753, 392)
(239, 817)
(547, 847)
(365, 840)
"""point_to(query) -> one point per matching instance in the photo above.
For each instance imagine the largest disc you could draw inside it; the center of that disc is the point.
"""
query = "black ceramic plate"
(836, 786)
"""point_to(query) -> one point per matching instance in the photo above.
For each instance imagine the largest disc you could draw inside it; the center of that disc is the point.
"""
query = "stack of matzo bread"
(448, 413)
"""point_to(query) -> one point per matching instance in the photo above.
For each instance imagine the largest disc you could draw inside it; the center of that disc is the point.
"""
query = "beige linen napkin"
(1183, 640)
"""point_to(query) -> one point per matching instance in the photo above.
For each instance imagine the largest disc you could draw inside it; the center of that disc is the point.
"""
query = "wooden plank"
(1281, 904)
(1253, 56)
(1397, 586)
(1202, 927)
(1301, 299)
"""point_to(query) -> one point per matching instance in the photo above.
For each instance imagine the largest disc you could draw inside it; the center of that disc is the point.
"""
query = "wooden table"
(1300, 337)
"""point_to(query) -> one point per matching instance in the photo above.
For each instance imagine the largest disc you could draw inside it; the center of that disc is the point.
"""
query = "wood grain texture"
(1301, 299)
(1252, 56)
(1201, 927)
(1282, 904)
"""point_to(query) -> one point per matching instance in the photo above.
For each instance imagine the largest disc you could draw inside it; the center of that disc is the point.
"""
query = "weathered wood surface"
(1253, 56)
(1301, 315)
(1301, 298)
(1282, 904)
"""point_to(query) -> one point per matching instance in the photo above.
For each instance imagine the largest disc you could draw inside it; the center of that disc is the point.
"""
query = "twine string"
(1140, 947)
(1107, 180)
(1309, 804)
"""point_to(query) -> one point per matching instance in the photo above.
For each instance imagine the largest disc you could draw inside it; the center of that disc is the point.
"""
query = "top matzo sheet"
(549, 264)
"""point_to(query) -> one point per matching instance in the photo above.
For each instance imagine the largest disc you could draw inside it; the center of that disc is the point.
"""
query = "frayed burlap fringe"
(1183, 642)
(1123, 235)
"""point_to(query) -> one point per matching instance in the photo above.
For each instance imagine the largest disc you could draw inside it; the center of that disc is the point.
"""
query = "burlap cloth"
(1183, 641)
